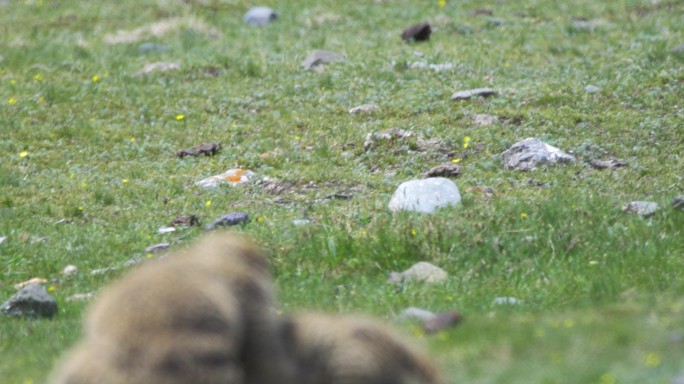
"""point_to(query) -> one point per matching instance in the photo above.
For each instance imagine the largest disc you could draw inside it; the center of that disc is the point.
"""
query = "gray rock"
(434, 67)
(157, 247)
(320, 57)
(70, 270)
(233, 218)
(465, 95)
(530, 153)
(641, 208)
(484, 120)
(386, 135)
(678, 202)
(425, 195)
(364, 108)
(260, 16)
(507, 301)
(679, 379)
(591, 89)
(31, 301)
(300, 222)
(678, 50)
(3, 239)
(415, 314)
(421, 272)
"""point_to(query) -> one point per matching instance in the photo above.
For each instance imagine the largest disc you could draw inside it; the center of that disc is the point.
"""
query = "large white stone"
(260, 16)
(425, 195)
(531, 153)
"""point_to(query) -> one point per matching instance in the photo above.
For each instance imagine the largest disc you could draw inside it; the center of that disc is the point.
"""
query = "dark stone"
(185, 221)
(444, 170)
(208, 149)
(31, 301)
(678, 203)
(603, 164)
(233, 218)
(419, 32)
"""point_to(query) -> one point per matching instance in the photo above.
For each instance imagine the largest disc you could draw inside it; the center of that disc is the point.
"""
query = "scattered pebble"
(387, 135)
(434, 67)
(364, 108)
(422, 272)
(415, 314)
(160, 66)
(31, 301)
(157, 247)
(484, 120)
(299, 222)
(442, 321)
(418, 32)
(3, 239)
(507, 301)
(530, 153)
(165, 230)
(208, 149)
(35, 280)
(231, 177)
(604, 164)
(80, 297)
(185, 221)
(260, 16)
(641, 208)
(444, 170)
(102, 271)
(320, 57)
(678, 202)
(69, 270)
(465, 95)
(153, 47)
(232, 218)
(424, 195)
(591, 89)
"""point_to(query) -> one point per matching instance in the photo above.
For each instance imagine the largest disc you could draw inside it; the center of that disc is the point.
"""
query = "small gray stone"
(484, 120)
(465, 95)
(3, 239)
(591, 89)
(678, 50)
(415, 314)
(425, 195)
(364, 108)
(679, 379)
(69, 270)
(641, 208)
(320, 57)
(31, 301)
(260, 16)
(530, 153)
(678, 202)
(507, 301)
(300, 222)
(157, 247)
(421, 272)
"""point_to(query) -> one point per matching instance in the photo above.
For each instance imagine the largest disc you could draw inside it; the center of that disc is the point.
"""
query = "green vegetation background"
(83, 138)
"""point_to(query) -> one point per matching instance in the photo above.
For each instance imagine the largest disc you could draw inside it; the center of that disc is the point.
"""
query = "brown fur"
(203, 315)
(355, 350)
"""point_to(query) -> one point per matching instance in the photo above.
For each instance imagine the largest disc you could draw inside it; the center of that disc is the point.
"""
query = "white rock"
(299, 222)
(69, 270)
(641, 208)
(364, 108)
(260, 16)
(591, 89)
(506, 301)
(3, 239)
(157, 247)
(423, 272)
(165, 230)
(465, 95)
(415, 314)
(232, 177)
(320, 57)
(425, 195)
(160, 66)
(530, 153)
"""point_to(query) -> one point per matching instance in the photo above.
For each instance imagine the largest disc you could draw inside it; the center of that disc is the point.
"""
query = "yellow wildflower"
(652, 360)
(124, 181)
(12, 100)
(23, 154)
(180, 117)
(207, 204)
(442, 3)
(38, 77)
(523, 215)
(260, 219)
(456, 160)
(96, 78)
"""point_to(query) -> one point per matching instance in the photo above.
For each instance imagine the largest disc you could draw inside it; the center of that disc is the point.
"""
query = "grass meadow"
(88, 171)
